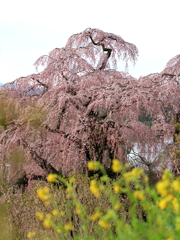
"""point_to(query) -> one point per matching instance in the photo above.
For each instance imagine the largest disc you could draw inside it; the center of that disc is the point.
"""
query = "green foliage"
(8, 110)
(159, 205)
(99, 208)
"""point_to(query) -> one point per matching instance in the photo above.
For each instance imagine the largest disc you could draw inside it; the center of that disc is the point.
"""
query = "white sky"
(29, 29)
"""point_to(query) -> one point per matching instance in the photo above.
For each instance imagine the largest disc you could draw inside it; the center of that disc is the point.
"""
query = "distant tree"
(79, 108)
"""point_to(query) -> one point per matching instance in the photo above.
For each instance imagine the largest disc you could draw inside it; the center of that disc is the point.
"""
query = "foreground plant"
(151, 212)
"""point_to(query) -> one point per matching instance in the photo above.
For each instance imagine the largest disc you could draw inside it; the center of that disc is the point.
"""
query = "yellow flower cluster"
(105, 220)
(55, 212)
(31, 235)
(40, 216)
(166, 196)
(167, 175)
(68, 226)
(69, 191)
(78, 209)
(44, 193)
(93, 165)
(139, 195)
(58, 230)
(94, 188)
(48, 223)
(104, 223)
(165, 201)
(72, 180)
(167, 189)
(47, 220)
(116, 188)
(51, 178)
(116, 166)
(135, 173)
(96, 216)
(169, 201)
(175, 205)
(163, 187)
(176, 185)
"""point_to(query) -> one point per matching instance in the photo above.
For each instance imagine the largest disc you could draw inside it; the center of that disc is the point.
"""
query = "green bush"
(125, 208)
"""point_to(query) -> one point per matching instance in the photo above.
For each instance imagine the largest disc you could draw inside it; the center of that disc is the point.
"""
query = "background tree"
(79, 108)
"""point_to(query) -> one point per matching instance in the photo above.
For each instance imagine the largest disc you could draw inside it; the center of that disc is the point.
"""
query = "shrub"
(125, 208)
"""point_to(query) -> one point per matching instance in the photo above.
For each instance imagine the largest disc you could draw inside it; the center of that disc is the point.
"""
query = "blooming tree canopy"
(80, 108)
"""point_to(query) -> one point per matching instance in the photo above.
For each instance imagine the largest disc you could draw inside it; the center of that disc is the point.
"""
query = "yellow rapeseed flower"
(72, 180)
(139, 195)
(68, 227)
(93, 165)
(135, 173)
(44, 193)
(55, 213)
(176, 185)
(47, 223)
(128, 177)
(103, 223)
(58, 230)
(31, 235)
(94, 188)
(169, 197)
(175, 205)
(40, 215)
(52, 178)
(167, 175)
(116, 188)
(116, 166)
(162, 204)
(163, 187)
(96, 216)
(69, 189)
(78, 210)
(166, 201)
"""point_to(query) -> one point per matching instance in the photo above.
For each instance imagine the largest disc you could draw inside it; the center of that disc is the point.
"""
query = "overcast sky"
(29, 29)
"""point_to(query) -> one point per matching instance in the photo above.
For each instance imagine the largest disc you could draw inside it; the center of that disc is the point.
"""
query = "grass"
(98, 208)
